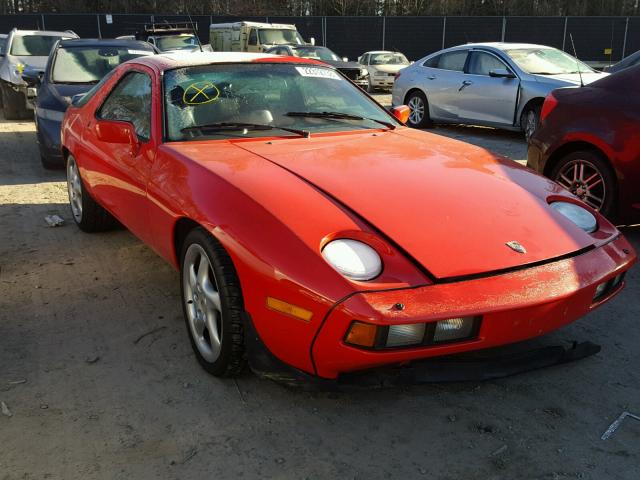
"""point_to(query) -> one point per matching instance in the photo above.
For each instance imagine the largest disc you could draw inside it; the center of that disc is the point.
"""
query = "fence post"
(384, 29)
(99, 30)
(564, 35)
(624, 42)
(504, 27)
(444, 29)
(42, 18)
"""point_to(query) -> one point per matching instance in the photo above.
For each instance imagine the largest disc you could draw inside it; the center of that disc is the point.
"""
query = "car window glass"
(253, 37)
(482, 63)
(33, 45)
(365, 59)
(432, 62)
(3, 43)
(453, 60)
(130, 101)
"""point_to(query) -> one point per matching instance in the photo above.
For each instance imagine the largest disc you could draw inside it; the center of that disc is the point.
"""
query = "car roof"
(502, 45)
(379, 51)
(105, 42)
(46, 33)
(169, 61)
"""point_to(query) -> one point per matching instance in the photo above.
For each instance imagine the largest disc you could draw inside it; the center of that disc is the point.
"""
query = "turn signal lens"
(288, 309)
(362, 334)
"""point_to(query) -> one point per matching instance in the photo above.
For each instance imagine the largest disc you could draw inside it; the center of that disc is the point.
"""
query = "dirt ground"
(98, 376)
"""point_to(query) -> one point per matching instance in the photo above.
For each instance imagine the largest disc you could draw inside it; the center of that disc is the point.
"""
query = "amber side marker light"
(362, 334)
(289, 309)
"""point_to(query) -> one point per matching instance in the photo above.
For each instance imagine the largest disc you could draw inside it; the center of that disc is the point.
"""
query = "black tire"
(48, 164)
(230, 359)
(13, 104)
(530, 119)
(417, 100)
(91, 217)
(593, 162)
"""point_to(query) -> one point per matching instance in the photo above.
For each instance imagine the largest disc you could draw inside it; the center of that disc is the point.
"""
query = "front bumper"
(48, 135)
(380, 81)
(515, 306)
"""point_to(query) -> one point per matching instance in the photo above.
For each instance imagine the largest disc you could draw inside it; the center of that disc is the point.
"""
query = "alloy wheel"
(74, 187)
(202, 302)
(584, 179)
(416, 105)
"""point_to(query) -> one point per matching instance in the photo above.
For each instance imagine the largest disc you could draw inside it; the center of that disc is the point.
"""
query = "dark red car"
(588, 141)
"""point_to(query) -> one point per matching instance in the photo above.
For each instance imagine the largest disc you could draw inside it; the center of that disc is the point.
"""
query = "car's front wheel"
(13, 104)
(419, 110)
(86, 212)
(588, 176)
(212, 304)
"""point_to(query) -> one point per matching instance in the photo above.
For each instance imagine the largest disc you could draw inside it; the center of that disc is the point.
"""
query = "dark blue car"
(74, 67)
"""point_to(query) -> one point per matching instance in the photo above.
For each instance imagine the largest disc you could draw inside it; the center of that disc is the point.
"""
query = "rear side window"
(453, 60)
(432, 62)
(130, 101)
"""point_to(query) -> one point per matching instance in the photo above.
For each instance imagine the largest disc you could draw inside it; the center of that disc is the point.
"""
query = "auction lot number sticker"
(318, 72)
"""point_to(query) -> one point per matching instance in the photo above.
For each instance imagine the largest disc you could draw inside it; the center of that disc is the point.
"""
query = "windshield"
(33, 45)
(90, 64)
(388, 59)
(546, 61)
(265, 94)
(278, 36)
(318, 53)
(177, 42)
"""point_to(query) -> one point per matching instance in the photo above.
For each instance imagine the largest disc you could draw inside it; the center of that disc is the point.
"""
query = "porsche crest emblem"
(516, 246)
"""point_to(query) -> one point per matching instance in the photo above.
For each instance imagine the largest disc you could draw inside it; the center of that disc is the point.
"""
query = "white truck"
(251, 36)
(24, 49)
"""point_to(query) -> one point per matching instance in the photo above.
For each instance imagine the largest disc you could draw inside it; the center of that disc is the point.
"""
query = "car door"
(488, 96)
(124, 169)
(441, 78)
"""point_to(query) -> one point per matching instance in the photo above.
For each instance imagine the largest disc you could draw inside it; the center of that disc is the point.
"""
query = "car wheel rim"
(531, 123)
(416, 105)
(583, 179)
(74, 187)
(202, 302)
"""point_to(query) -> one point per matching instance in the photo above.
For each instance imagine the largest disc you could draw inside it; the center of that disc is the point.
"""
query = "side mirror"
(401, 113)
(32, 78)
(501, 73)
(118, 132)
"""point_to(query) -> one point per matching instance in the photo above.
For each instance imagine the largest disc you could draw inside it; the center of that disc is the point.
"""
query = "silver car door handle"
(466, 83)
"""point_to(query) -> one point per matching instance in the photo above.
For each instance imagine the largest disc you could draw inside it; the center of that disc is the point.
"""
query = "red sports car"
(310, 225)
(588, 141)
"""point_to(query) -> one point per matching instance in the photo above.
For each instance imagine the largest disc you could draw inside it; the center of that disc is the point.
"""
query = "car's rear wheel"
(13, 104)
(588, 176)
(86, 212)
(419, 110)
(212, 304)
(529, 120)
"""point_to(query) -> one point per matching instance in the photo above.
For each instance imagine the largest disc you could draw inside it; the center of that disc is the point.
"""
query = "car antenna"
(195, 33)
(575, 54)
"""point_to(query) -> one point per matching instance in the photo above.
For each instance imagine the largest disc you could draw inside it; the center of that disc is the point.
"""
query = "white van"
(251, 36)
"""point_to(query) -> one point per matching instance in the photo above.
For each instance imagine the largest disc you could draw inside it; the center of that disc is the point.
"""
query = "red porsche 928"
(305, 217)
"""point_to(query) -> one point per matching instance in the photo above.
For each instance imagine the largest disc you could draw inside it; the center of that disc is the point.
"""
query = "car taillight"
(547, 107)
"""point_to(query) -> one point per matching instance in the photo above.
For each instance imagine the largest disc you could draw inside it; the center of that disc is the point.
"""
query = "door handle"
(466, 83)
(431, 77)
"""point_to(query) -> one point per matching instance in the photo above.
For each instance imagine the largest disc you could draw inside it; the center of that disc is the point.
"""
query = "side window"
(482, 63)
(130, 101)
(453, 60)
(253, 37)
(365, 59)
(432, 62)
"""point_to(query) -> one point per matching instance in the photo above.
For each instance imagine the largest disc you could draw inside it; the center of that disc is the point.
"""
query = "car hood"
(388, 68)
(343, 65)
(573, 78)
(449, 205)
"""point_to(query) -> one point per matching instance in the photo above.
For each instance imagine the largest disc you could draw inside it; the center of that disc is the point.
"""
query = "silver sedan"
(493, 84)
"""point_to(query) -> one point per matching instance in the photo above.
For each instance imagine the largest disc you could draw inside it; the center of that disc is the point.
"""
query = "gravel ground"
(98, 376)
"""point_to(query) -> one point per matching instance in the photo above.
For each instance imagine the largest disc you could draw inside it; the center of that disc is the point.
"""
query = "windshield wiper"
(339, 116)
(230, 126)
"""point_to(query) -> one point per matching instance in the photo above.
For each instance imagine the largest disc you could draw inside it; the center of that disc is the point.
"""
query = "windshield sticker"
(318, 72)
(139, 52)
(200, 93)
